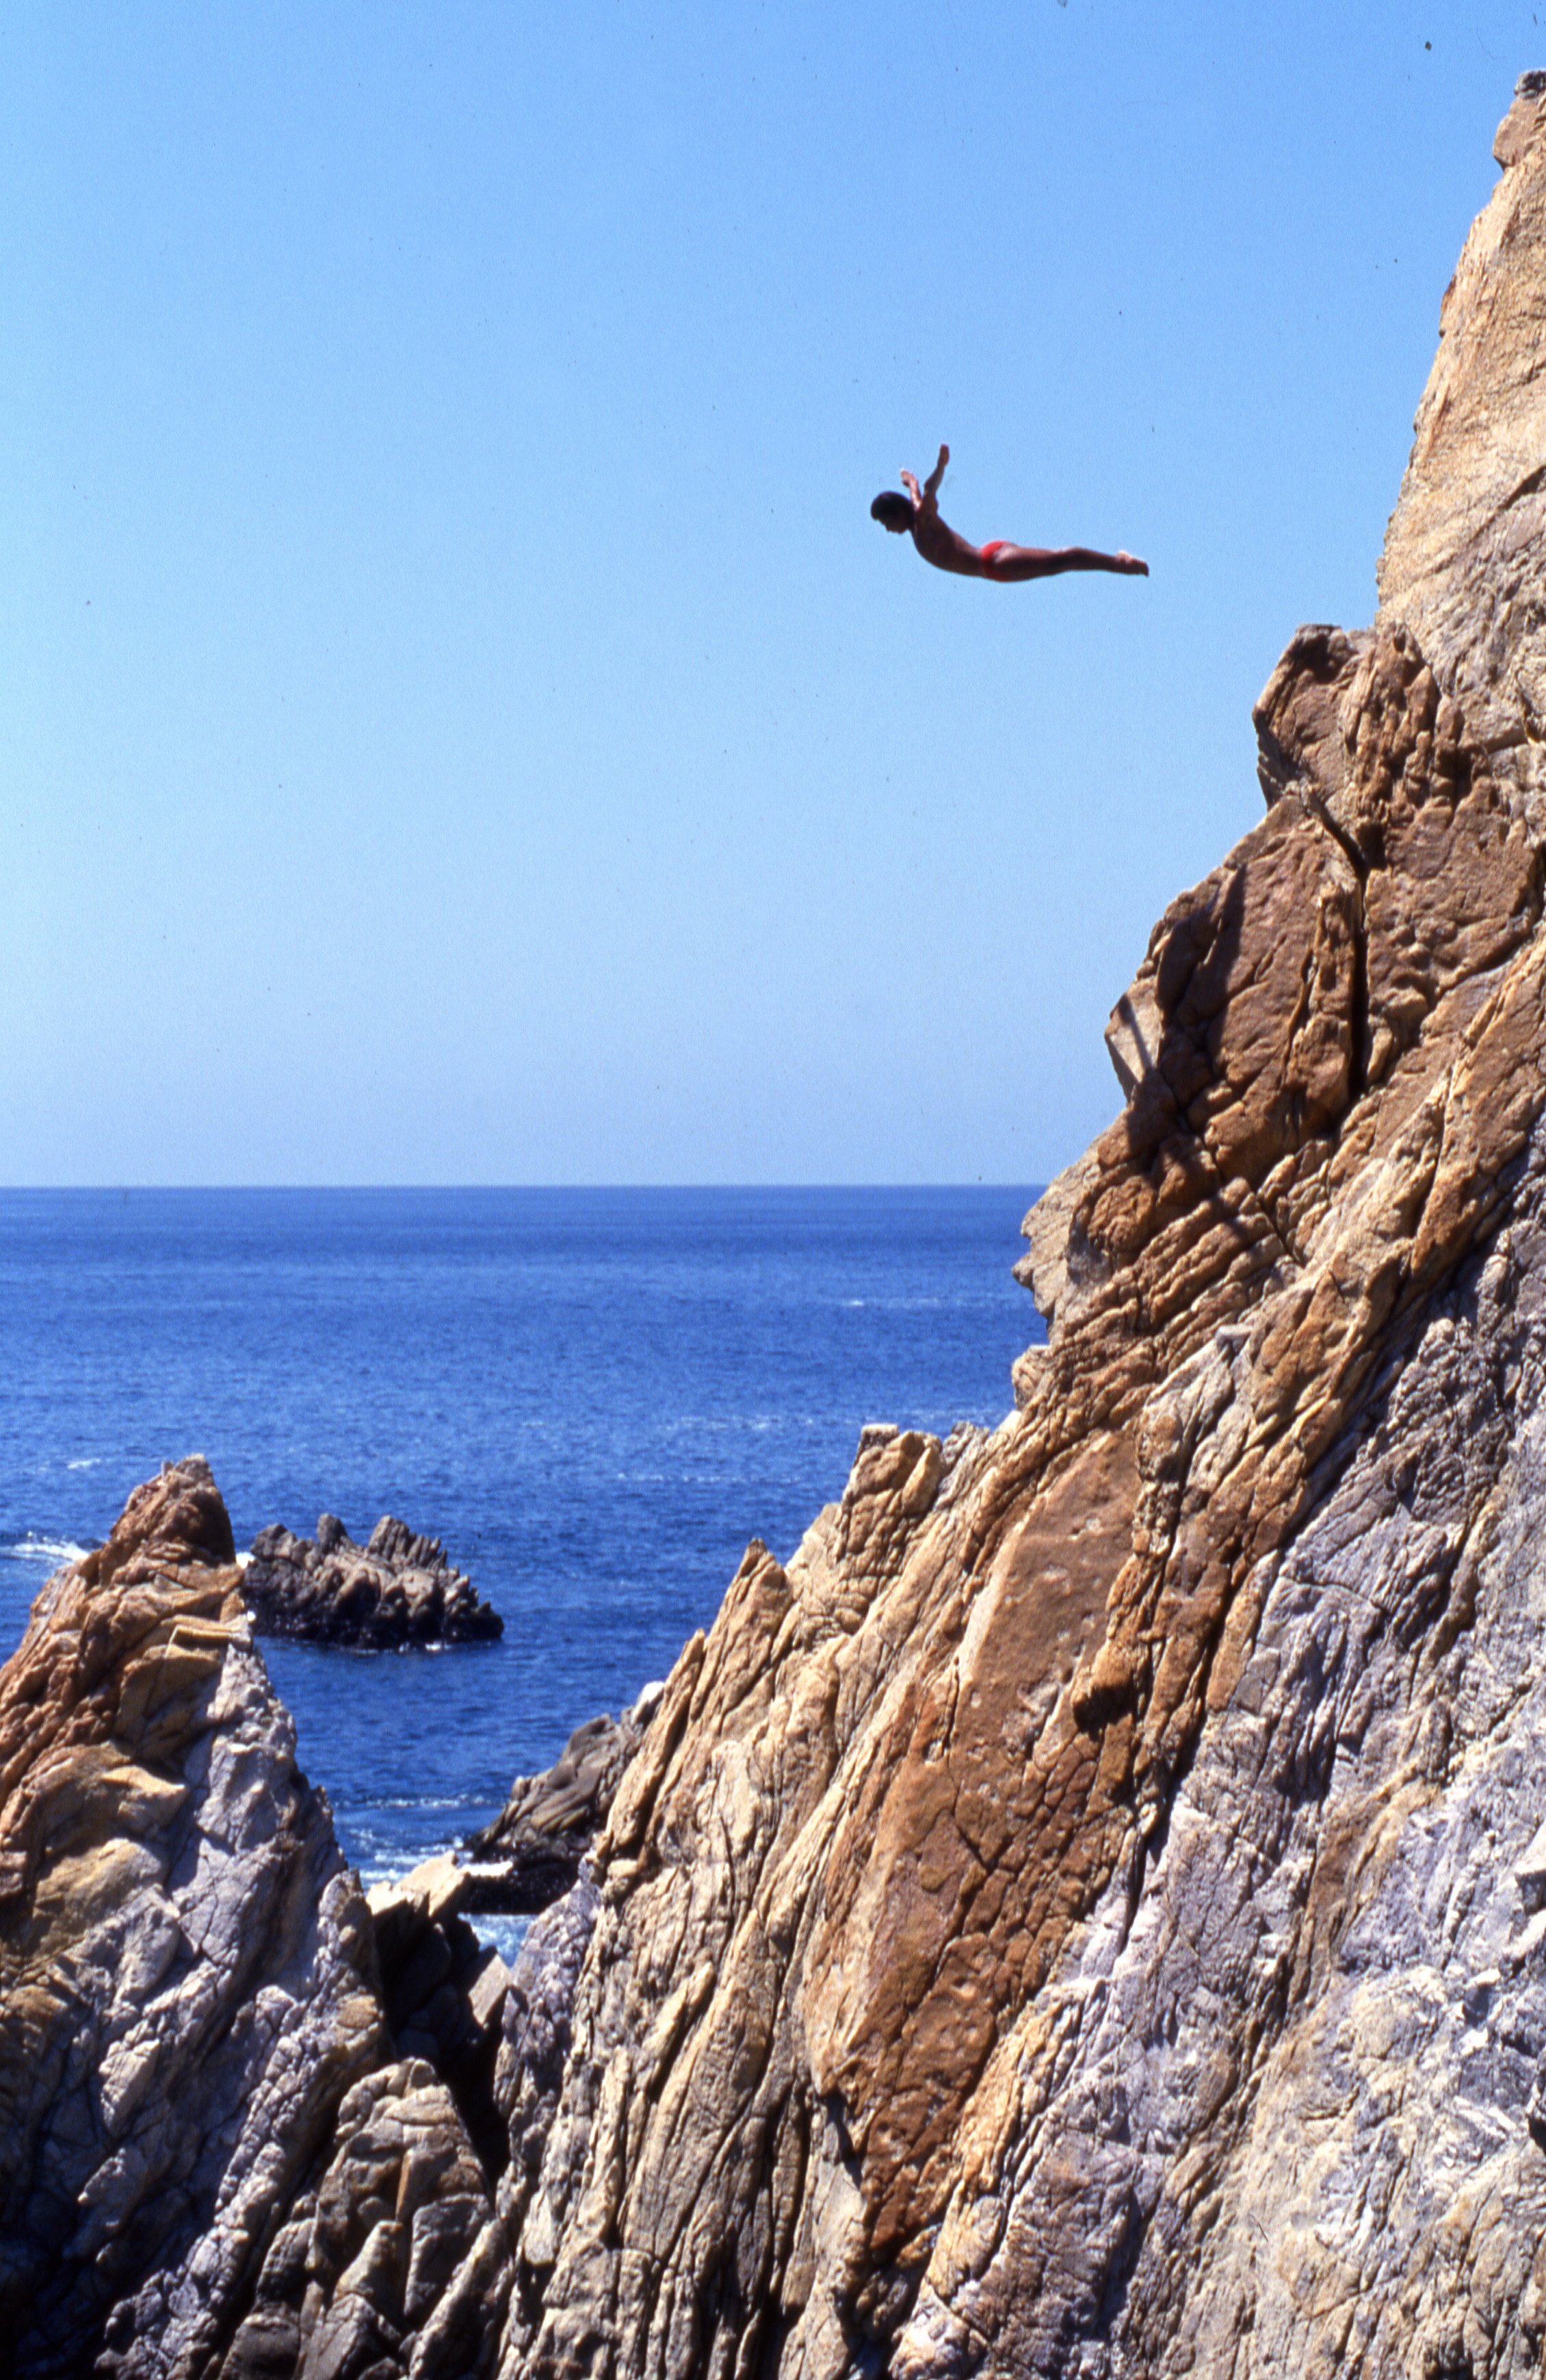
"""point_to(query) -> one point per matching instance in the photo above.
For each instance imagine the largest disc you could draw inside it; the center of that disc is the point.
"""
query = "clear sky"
(462, 722)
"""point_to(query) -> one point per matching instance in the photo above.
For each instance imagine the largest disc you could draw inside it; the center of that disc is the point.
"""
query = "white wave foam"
(456, 1802)
(84, 1462)
(505, 1935)
(48, 1549)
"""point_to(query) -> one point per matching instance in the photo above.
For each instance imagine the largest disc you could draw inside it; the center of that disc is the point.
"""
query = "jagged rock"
(399, 1589)
(1085, 1914)
(444, 1991)
(394, 2262)
(196, 2079)
(531, 1854)
(186, 1969)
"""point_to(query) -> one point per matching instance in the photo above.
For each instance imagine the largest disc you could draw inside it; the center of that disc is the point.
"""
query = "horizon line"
(257, 1189)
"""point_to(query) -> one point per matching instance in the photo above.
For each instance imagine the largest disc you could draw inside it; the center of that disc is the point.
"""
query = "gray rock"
(443, 1991)
(531, 1854)
(399, 1589)
(385, 2270)
(199, 2104)
(187, 1987)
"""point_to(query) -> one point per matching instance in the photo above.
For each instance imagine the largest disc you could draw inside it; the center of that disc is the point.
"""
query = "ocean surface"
(595, 1397)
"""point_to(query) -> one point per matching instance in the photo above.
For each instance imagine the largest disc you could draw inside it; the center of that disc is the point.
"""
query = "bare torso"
(945, 547)
(947, 550)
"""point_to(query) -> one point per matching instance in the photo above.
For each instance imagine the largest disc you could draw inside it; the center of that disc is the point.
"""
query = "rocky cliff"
(211, 2157)
(531, 1854)
(1086, 1914)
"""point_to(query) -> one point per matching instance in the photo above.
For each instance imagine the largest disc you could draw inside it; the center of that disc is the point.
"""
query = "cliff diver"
(917, 512)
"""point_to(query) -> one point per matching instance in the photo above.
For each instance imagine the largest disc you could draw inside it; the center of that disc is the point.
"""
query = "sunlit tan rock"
(1085, 1913)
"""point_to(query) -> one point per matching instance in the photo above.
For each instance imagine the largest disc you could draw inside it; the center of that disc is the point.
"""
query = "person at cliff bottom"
(917, 512)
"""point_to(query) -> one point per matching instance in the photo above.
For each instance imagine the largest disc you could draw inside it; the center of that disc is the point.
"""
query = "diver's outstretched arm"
(925, 502)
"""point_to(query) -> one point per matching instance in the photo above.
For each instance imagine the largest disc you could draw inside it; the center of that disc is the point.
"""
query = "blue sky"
(463, 722)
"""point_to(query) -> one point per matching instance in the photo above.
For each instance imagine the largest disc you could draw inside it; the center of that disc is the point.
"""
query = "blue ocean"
(593, 1397)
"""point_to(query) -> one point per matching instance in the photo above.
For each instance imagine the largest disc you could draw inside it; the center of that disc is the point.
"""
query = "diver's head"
(893, 510)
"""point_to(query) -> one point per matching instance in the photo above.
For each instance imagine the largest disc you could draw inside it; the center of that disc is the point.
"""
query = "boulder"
(399, 1589)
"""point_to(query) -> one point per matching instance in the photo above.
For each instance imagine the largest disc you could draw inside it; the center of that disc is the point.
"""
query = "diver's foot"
(1131, 567)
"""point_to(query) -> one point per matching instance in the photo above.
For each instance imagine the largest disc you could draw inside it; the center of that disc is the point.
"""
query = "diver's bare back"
(919, 513)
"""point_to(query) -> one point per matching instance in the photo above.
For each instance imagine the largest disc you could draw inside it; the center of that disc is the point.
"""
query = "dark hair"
(893, 508)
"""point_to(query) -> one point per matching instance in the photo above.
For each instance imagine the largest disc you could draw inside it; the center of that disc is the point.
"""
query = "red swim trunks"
(991, 551)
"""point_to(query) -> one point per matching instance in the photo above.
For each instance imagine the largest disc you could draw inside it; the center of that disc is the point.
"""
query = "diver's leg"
(1013, 562)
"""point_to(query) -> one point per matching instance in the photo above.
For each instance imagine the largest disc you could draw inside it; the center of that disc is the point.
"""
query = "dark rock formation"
(391, 2261)
(531, 1854)
(399, 1589)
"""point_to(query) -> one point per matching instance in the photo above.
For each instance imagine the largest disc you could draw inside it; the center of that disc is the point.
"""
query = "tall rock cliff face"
(1088, 1913)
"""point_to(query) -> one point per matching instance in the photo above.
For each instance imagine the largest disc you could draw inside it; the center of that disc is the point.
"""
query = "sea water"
(593, 1397)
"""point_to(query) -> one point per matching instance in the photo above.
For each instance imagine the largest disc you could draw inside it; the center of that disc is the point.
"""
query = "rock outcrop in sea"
(1087, 1914)
(399, 1589)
